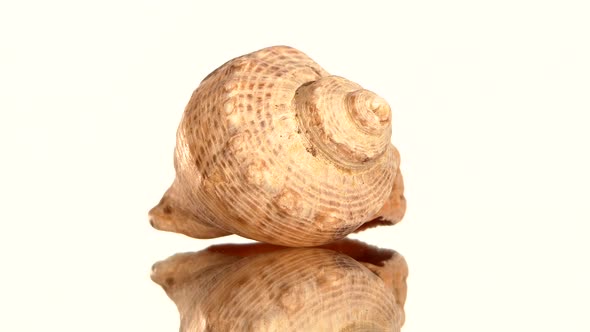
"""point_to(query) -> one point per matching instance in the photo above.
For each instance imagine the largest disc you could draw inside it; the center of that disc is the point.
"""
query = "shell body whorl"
(274, 148)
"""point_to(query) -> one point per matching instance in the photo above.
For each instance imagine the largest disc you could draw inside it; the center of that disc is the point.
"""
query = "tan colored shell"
(273, 148)
(261, 287)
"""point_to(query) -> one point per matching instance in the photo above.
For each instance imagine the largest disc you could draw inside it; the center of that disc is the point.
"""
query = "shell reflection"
(343, 286)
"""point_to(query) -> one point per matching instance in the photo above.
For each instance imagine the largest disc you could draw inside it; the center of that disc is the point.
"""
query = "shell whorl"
(350, 125)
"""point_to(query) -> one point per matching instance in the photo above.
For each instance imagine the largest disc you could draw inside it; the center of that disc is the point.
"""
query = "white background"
(491, 115)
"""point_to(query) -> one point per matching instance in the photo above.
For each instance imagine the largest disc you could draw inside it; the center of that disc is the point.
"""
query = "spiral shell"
(345, 286)
(273, 148)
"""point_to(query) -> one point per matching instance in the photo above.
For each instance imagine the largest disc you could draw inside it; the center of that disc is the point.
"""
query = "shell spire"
(351, 125)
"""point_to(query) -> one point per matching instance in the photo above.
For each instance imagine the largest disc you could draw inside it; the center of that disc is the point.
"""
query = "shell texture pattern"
(345, 286)
(274, 148)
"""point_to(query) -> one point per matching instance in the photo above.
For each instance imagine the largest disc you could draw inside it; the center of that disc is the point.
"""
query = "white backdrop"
(491, 115)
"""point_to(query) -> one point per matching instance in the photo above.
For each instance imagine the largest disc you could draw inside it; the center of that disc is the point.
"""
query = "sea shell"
(273, 148)
(344, 286)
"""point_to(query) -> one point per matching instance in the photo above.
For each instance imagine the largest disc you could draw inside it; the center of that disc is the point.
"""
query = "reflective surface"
(343, 286)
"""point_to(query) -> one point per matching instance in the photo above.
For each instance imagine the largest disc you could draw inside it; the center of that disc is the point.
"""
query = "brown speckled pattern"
(245, 288)
(273, 148)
